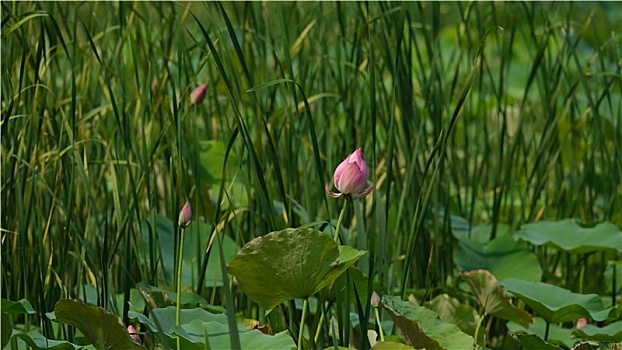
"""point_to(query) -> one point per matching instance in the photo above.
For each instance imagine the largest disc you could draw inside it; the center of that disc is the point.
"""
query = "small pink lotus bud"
(581, 322)
(350, 177)
(185, 216)
(133, 334)
(198, 94)
(375, 299)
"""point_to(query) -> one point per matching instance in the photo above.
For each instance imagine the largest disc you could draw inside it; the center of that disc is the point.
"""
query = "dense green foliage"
(492, 132)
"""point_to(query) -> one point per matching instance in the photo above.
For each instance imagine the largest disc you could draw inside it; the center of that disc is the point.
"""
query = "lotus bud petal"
(375, 299)
(198, 94)
(350, 177)
(133, 334)
(582, 322)
(185, 216)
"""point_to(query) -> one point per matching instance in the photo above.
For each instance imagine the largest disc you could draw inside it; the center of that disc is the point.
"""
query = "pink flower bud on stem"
(375, 302)
(133, 334)
(350, 177)
(198, 94)
(185, 216)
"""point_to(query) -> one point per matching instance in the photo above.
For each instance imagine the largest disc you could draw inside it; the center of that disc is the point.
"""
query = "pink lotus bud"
(197, 95)
(581, 322)
(133, 334)
(375, 299)
(185, 216)
(350, 177)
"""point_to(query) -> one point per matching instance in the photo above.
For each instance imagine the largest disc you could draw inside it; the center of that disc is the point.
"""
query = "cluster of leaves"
(492, 132)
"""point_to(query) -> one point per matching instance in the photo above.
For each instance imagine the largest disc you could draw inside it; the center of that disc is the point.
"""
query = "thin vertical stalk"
(343, 210)
(179, 265)
(305, 303)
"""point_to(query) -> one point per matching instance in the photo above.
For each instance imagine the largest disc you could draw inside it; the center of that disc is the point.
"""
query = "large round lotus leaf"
(556, 304)
(567, 235)
(422, 327)
(289, 264)
(103, 329)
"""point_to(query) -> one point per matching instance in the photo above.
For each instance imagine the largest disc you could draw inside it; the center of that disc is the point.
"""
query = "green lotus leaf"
(196, 323)
(422, 328)
(212, 161)
(389, 345)
(503, 256)
(6, 328)
(610, 333)
(160, 298)
(451, 310)
(568, 236)
(38, 341)
(162, 321)
(479, 233)
(164, 235)
(289, 264)
(533, 342)
(9, 307)
(218, 337)
(16, 307)
(166, 317)
(494, 299)
(103, 329)
(556, 304)
(557, 334)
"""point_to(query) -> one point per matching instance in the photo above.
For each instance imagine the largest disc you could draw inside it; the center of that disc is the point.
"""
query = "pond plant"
(486, 212)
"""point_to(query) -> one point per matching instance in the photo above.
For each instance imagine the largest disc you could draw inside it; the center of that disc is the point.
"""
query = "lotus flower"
(351, 177)
(375, 299)
(198, 94)
(133, 334)
(185, 216)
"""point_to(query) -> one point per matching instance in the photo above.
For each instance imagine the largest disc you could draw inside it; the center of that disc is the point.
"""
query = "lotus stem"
(546, 331)
(343, 210)
(302, 322)
(319, 328)
(179, 265)
(479, 324)
(379, 324)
